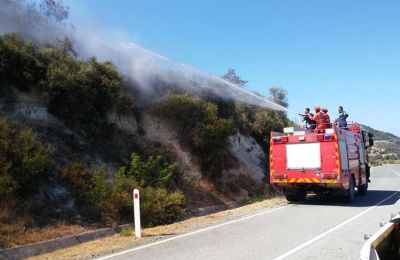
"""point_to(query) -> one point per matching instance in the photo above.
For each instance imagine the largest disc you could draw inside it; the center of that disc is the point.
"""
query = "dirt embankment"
(243, 178)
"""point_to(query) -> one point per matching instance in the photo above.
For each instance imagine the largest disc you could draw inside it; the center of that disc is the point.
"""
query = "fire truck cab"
(331, 160)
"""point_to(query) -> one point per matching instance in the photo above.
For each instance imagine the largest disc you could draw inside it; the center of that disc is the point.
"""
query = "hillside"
(381, 136)
(77, 136)
(84, 120)
(386, 148)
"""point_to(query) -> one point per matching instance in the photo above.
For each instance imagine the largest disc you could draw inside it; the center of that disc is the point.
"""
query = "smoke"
(27, 19)
(137, 63)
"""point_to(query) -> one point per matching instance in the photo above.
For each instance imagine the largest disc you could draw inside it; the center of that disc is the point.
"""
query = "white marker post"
(136, 212)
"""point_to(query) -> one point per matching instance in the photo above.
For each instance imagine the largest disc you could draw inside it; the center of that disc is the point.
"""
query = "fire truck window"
(343, 156)
(362, 153)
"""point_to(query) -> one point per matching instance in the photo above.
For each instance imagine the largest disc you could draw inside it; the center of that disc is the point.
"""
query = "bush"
(82, 93)
(184, 111)
(151, 172)
(158, 206)
(113, 196)
(202, 128)
(266, 121)
(79, 92)
(97, 190)
(126, 231)
(24, 160)
(76, 173)
(19, 64)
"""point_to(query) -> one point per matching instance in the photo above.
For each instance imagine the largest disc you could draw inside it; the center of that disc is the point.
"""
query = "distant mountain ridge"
(386, 148)
(381, 135)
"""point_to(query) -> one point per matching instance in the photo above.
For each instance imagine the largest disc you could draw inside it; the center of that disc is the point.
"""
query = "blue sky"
(323, 52)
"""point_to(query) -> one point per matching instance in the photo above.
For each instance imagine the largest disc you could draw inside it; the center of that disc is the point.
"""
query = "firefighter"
(310, 124)
(342, 117)
(327, 119)
(319, 118)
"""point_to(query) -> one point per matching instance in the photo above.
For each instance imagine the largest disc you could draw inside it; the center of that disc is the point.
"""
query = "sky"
(323, 52)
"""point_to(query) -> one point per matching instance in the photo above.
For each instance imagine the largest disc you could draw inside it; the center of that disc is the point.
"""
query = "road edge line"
(193, 232)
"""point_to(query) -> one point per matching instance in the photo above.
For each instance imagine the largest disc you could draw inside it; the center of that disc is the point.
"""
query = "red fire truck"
(332, 160)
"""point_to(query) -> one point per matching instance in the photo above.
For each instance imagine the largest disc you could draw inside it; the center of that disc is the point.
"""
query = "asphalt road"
(316, 229)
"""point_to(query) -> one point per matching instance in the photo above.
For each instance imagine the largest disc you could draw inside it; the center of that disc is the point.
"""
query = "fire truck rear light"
(280, 176)
(277, 139)
(302, 138)
(320, 137)
(280, 139)
(329, 176)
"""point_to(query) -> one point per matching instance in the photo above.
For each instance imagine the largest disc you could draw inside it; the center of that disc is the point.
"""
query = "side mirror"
(370, 139)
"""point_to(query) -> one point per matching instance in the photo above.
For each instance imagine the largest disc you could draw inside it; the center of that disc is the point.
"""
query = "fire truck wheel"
(362, 189)
(295, 195)
(350, 194)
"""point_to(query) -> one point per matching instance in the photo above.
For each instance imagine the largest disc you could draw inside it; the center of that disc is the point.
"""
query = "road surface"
(313, 230)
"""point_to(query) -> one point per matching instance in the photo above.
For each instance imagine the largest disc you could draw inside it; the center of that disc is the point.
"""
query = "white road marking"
(390, 169)
(309, 242)
(252, 216)
(193, 232)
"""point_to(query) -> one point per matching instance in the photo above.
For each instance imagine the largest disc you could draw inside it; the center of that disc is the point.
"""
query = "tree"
(54, 10)
(67, 47)
(232, 77)
(19, 65)
(82, 92)
(202, 128)
(279, 96)
(24, 160)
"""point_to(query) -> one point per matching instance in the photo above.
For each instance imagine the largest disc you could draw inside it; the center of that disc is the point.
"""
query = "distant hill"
(386, 148)
(381, 135)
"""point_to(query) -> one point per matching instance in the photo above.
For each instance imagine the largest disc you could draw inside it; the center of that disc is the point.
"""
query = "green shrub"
(203, 130)
(126, 231)
(20, 67)
(98, 190)
(79, 92)
(24, 160)
(158, 206)
(151, 172)
(184, 111)
(82, 93)
(265, 121)
(113, 196)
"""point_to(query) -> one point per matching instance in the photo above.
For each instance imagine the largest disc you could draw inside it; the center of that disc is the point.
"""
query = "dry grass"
(17, 233)
(118, 242)
(16, 230)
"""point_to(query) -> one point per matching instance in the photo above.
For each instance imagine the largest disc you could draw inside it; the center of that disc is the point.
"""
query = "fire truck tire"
(362, 189)
(350, 193)
(296, 195)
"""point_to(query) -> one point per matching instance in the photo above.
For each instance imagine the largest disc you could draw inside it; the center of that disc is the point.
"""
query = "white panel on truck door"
(303, 156)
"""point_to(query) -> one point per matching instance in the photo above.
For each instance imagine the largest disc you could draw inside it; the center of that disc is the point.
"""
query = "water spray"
(132, 60)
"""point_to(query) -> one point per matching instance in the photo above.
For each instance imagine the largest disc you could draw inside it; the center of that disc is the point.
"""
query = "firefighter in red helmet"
(319, 118)
(327, 119)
